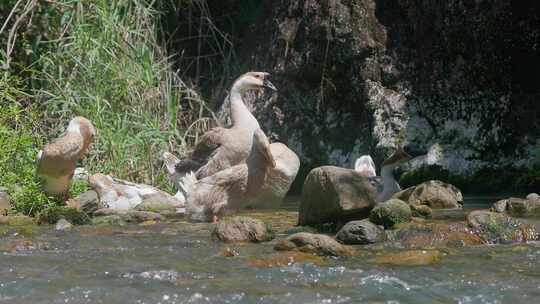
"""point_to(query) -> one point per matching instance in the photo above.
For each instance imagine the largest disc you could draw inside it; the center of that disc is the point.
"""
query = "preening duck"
(57, 161)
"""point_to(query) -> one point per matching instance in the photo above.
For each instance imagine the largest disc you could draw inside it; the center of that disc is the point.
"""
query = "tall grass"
(108, 66)
(100, 59)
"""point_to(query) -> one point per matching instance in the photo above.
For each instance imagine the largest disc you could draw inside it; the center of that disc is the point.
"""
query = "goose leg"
(215, 219)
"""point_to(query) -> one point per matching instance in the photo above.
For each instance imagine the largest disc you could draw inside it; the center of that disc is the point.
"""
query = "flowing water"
(179, 263)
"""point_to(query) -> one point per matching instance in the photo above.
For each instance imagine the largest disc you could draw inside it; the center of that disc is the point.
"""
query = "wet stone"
(5, 199)
(360, 232)
(390, 213)
(495, 228)
(242, 229)
(63, 225)
(319, 244)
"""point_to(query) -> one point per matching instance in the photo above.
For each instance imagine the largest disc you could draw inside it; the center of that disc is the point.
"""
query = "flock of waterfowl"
(228, 169)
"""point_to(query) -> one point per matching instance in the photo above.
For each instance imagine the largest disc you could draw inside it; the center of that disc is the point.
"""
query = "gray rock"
(434, 193)
(360, 232)
(115, 220)
(333, 194)
(500, 206)
(5, 200)
(519, 207)
(532, 197)
(390, 213)
(87, 202)
(242, 229)
(63, 225)
(422, 211)
(319, 244)
(130, 216)
(495, 227)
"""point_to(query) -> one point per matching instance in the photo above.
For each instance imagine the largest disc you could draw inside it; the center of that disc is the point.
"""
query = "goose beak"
(268, 84)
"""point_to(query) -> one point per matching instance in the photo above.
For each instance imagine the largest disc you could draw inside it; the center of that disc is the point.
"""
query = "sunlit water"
(180, 263)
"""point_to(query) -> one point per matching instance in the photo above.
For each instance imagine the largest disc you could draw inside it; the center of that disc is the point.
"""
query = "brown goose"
(57, 161)
(264, 178)
(221, 148)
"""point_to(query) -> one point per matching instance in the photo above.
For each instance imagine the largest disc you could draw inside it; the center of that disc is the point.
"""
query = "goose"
(389, 184)
(222, 148)
(57, 161)
(386, 184)
(264, 178)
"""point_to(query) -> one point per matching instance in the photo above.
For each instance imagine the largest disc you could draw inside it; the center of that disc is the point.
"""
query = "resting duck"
(264, 178)
(57, 161)
(222, 148)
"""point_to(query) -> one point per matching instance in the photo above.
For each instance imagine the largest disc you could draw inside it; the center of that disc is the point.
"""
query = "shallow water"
(180, 263)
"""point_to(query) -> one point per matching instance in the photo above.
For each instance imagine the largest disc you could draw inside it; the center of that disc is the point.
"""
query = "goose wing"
(206, 148)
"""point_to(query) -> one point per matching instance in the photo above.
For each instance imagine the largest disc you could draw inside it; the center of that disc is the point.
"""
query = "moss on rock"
(51, 215)
(390, 213)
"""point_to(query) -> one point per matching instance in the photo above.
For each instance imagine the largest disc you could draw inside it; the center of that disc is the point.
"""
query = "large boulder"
(434, 193)
(319, 244)
(495, 227)
(390, 213)
(527, 207)
(4, 201)
(332, 194)
(360, 232)
(243, 229)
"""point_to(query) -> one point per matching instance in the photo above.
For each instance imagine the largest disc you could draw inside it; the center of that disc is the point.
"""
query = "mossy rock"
(421, 211)
(114, 220)
(16, 220)
(243, 229)
(51, 215)
(390, 213)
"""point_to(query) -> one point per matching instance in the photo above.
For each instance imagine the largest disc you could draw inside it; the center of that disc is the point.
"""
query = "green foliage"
(52, 214)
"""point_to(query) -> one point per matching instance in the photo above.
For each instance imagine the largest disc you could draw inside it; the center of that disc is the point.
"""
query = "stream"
(178, 262)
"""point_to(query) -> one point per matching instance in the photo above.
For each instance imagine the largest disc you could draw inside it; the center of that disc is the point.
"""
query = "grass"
(99, 59)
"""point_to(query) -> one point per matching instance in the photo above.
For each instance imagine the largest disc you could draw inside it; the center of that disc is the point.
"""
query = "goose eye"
(258, 76)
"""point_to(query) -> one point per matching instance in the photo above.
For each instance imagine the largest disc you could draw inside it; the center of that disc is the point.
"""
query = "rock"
(16, 220)
(434, 193)
(63, 225)
(130, 216)
(438, 234)
(499, 206)
(360, 232)
(495, 227)
(333, 194)
(114, 220)
(390, 213)
(87, 202)
(53, 214)
(123, 195)
(409, 258)
(422, 211)
(319, 244)
(533, 197)
(5, 201)
(529, 207)
(242, 229)
(298, 229)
